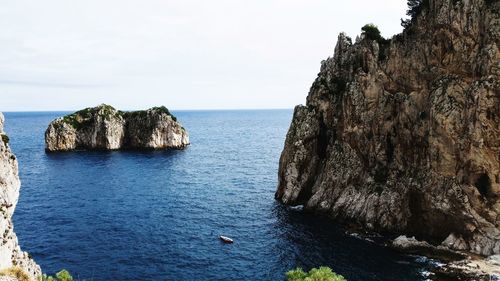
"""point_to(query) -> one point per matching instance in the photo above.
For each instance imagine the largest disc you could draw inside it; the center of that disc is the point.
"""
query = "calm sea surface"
(158, 215)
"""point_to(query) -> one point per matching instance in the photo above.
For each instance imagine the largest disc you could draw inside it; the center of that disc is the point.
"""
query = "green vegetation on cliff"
(84, 117)
(372, 32)
(143, 113)
(62, 275)
(316, 274)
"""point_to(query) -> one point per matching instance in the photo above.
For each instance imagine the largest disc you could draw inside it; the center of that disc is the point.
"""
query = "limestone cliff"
(10, 252)
(403, 136)
(105, 128)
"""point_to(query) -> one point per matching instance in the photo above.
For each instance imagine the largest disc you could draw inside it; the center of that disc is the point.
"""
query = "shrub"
(316, 274)
(62, 275)
(372, 32)
(296, 275)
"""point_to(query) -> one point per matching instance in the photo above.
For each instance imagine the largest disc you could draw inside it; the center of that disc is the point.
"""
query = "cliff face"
(105, 128)
(10, 252)
(404, 136)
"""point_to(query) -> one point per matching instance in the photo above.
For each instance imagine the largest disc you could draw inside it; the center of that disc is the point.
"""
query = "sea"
(158, 215)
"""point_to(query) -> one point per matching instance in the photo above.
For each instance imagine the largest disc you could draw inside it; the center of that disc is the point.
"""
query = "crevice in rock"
(305, 192)
(483, 185)
(381, 173)
(323, 140)
(389, 148)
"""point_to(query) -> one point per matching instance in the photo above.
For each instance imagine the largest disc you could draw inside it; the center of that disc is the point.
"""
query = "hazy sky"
(185, 54)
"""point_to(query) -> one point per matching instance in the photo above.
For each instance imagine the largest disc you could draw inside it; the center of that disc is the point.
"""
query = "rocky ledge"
(402, 136)
(453, 265)
(105, 128)
(12, 259)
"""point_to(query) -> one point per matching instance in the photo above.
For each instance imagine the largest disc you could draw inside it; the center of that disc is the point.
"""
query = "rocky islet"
(105, 128)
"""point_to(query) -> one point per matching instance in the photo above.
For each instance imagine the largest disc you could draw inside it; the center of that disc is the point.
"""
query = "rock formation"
(10, 253)
(403, 136)
(105, 128)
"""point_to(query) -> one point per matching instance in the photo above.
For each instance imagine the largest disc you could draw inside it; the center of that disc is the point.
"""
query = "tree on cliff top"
(372, 32)
(415, 6)
(414, 9)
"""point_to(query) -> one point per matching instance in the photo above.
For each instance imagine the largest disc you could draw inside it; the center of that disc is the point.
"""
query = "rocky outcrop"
(456, 266)
(469, 270)
(105, 128)
(11, 255)
(403, 136)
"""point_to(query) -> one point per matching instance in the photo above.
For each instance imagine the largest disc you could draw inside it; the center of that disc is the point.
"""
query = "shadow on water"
(148, 153)
(310, 240)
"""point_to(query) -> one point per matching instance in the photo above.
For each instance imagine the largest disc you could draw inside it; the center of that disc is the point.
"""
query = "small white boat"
(226, 239)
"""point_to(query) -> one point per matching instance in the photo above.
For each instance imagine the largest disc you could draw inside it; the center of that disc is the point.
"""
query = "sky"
(184, 54)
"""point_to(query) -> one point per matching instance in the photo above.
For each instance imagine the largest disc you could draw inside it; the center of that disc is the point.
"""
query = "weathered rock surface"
(410, 245)
(10, 252)
(404, 136)
(404, 243)
(105, 128)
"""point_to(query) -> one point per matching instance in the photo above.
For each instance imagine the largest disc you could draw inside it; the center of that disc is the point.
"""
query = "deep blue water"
(158, 215)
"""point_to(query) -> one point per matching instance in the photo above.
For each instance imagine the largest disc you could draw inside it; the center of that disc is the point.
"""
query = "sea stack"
(105, 128)
(13, 261)
(402, 136)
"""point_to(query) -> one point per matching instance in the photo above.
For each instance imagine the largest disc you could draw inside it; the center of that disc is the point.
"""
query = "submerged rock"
(403, 136)
(10, 252)
(105, 128)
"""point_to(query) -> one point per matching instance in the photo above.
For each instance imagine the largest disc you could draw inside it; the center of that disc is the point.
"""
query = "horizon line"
(194, 109)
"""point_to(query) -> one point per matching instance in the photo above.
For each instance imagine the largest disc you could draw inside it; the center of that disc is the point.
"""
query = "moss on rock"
(83, 117)
(144, 113)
